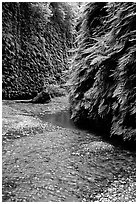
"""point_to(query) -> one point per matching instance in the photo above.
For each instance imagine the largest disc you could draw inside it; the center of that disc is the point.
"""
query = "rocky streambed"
(46, 158)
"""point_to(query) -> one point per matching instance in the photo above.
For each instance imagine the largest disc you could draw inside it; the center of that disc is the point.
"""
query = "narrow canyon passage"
(68, 101)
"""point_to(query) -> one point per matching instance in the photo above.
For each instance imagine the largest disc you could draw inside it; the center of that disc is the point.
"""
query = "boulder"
(42, 97)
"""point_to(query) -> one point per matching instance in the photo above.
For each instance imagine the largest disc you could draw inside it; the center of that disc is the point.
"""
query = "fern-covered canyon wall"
(36, 38)
(103, 80)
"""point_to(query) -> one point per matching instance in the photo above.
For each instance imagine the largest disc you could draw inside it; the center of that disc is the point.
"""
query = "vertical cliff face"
(35, 46)
(104, 69)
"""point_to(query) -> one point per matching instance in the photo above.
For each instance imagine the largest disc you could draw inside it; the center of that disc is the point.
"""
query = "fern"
(103, 68)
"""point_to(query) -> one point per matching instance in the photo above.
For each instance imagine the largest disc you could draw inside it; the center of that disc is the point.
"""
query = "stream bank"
(46, 158)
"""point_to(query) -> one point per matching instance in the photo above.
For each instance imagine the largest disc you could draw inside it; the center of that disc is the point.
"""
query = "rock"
(42, 97)
(46, 94)
(98, 146)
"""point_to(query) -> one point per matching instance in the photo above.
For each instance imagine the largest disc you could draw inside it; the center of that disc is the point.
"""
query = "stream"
(56, 161)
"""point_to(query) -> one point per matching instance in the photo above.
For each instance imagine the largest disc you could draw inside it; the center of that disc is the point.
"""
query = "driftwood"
(46, 94)
(42, 97)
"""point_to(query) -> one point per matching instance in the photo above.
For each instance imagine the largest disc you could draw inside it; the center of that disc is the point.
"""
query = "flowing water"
(61, 119)
(96, 167)
(62, 162)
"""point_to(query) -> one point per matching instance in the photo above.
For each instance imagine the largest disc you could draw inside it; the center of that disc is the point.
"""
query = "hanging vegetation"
(103, 81)
(36, 38)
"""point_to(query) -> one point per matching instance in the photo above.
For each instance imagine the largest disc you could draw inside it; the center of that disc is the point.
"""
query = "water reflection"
(61, 119)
